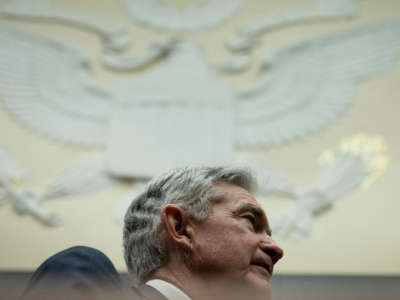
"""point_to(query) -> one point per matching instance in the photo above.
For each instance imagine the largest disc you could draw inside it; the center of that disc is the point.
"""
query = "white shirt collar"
(169, 290)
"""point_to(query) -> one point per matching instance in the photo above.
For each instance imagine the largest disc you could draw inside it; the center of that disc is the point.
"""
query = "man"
(194, 233)
(198, 233)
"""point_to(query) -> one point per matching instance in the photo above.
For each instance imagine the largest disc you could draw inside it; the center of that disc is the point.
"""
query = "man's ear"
(177, 224)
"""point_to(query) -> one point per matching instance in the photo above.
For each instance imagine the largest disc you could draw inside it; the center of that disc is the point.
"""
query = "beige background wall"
(359, 235)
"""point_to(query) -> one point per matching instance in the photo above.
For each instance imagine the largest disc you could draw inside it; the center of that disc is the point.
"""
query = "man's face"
(234, 244)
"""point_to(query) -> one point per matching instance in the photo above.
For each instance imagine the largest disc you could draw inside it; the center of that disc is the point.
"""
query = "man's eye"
(250, 218)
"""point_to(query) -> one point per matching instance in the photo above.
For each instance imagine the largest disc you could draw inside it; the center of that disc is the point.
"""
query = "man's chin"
(259, 286)
(252, 285)
(243, 291)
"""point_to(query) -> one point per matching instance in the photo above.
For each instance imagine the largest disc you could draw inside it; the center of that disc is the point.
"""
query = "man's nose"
(271, 248)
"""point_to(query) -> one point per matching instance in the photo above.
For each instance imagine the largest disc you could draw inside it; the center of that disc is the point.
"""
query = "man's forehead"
(239, 200)
(234, 194)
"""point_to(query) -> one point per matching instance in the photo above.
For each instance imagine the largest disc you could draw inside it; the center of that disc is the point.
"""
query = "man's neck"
(168, 290)
(194, 287)
(183, 280)
(206, 287)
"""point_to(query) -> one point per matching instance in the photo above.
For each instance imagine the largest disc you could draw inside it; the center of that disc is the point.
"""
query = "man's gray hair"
(192, 188)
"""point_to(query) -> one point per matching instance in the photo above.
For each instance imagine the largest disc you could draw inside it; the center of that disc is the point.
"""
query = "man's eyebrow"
(257, 212)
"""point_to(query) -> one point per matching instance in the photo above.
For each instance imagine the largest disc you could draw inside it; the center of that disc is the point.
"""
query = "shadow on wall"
(292, 287)
(334, 287)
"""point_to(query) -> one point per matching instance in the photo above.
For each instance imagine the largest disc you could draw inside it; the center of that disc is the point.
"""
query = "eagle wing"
(45, 84)
(309, 84)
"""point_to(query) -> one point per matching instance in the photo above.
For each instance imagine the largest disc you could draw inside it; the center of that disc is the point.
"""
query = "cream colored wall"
(359, 235)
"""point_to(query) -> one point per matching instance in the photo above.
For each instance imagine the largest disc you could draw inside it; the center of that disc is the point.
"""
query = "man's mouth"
(264, 266)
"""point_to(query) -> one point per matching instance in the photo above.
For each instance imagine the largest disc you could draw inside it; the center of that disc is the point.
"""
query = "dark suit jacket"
(82, 273)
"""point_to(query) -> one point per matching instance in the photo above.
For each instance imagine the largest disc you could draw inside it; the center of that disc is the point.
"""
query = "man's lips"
(264, 264)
